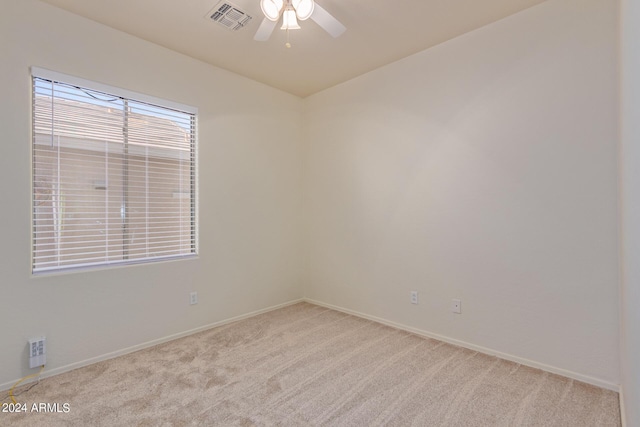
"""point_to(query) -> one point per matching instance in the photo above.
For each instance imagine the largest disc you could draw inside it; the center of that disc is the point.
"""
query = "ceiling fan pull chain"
(287, 44)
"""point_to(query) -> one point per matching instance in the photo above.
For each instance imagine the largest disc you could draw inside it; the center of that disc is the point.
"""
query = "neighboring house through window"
(114, 175)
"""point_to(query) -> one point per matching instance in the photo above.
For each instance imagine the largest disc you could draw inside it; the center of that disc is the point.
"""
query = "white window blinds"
(113, 178)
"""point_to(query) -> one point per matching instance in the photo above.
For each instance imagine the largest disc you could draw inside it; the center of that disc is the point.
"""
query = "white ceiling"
(378, 32)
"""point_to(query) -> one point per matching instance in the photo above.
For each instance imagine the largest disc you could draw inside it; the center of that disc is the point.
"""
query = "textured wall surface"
(483, 169)
(249, 197)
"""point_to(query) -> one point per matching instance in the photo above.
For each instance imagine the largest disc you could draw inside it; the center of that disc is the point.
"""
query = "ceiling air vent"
(229, 16)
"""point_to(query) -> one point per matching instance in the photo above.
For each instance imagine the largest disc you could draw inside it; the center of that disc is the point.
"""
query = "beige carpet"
(305, 365)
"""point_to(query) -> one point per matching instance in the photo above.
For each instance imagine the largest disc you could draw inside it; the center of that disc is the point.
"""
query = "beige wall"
(482, 169)
(249, 198)
(630, 180)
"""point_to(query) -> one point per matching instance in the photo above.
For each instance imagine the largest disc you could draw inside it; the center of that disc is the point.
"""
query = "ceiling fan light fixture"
(304, 8)
(292, 11)
(271, 8)
(289, 21)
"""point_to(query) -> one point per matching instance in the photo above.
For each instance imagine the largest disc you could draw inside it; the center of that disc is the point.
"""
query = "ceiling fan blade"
(330, 24)
(265, 30)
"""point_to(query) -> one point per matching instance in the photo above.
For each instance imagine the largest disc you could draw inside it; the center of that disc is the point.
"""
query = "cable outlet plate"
(37, 352)
(456, 306)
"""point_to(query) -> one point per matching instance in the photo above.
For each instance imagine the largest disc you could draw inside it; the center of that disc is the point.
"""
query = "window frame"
(57, 77)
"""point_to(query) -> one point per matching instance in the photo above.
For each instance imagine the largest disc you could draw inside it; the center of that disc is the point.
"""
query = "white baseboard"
(563, 372)
(569, 374)
(61, 369)
(623, 414)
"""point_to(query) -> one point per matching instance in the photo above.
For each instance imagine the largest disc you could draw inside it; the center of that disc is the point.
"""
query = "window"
(113, 176)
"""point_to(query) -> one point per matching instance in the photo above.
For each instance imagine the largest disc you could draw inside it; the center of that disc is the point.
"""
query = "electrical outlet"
(413, 296)
(37, 352)
(193, 298)
(456, 306)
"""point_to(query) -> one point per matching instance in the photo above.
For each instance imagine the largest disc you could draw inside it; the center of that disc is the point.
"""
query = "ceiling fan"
(291, 11)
